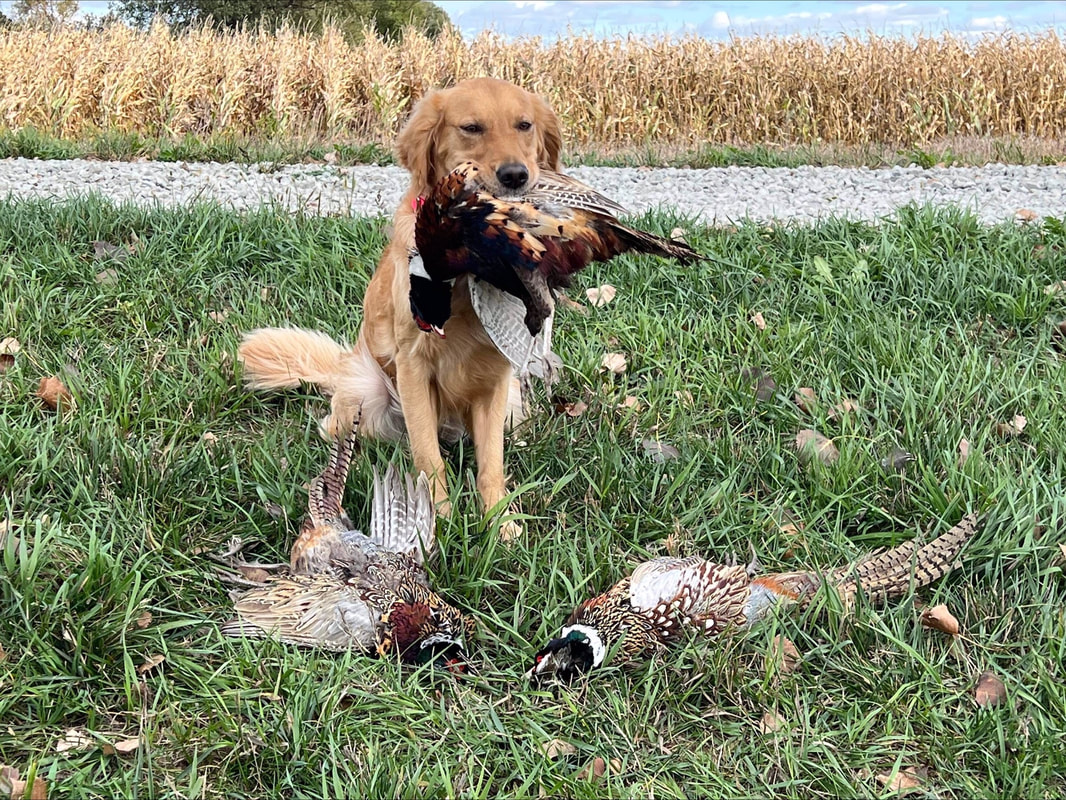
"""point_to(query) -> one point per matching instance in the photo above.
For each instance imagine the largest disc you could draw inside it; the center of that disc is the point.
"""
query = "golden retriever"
(405, 379)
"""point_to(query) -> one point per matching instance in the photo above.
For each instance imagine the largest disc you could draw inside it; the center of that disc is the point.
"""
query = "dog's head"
(510, 132)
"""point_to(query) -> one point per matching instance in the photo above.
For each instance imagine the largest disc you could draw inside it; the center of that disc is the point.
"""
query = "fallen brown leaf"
(812, 444)
(765, 388)
(74, 739)
(1026, 215)
(989, 691)
(1055, 288)
(106, 277)
(54, 394)
(575, 409)
(964, 452)
(218, 316)
(771, 723)
(152, 662)
(785, 657)
(598, 769)
(1062, 549)
(558, 747)
(758, 320)
(9, 348)
(613, 362)
(902, 781)
(805, 399)
(127, 746)
(678, 235)
(684, 396)
(629, 401)
(658, 451)
(845, 406)
(601, 295)
(940, 619)
(3, 654)
(144, 620)
(12, 786)
(1012, 428)
(104, 250)
(572, 304)
(209, 438)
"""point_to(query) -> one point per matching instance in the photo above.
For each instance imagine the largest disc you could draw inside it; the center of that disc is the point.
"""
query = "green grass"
(937, 327)
(117, 146)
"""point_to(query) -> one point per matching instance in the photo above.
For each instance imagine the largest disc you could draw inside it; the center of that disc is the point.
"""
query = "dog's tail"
(285, 358)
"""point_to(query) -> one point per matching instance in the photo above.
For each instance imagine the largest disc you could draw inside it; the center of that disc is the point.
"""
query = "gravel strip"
(996, 192)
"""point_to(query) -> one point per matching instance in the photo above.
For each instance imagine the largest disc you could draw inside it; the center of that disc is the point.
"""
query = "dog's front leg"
(486, 427)
(421, 416)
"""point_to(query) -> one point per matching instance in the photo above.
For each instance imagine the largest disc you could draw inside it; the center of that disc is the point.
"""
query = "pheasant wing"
(402, 516)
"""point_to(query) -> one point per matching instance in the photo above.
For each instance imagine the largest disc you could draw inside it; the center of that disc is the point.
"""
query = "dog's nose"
(513, 176)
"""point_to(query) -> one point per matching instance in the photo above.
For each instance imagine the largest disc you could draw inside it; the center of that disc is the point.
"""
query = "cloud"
(720, 20)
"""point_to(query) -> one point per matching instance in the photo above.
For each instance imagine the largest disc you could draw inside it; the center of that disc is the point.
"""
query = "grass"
(937, 327)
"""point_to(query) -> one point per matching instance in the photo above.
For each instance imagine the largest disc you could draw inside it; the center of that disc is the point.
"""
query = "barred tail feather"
(892, 573)
(402, 516)
(644, 242)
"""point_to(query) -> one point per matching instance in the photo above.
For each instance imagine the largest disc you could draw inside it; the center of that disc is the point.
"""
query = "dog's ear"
(416, 145)
(551, 137)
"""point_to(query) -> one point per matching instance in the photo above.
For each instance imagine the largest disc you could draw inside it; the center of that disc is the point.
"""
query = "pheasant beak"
(564, 659)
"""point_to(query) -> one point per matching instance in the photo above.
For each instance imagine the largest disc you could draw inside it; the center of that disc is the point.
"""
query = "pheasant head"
(426, 633)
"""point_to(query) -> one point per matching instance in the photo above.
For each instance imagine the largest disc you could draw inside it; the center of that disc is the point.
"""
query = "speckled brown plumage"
(644, 612)
(348, 590)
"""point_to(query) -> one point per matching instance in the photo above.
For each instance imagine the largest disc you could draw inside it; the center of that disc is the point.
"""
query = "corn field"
(609, 93)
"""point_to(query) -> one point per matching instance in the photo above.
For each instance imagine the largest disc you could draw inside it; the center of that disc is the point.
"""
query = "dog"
(403, 379)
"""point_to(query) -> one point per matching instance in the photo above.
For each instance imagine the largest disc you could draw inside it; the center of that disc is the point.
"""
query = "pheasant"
(644, 612)
(352, 591)
(527, 246)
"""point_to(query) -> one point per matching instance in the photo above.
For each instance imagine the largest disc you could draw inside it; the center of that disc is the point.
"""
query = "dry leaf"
(152, 662)
(989, 691)
(107, 276)
(218, 316)
(786, 658)
(209, 438)
(599, 768)
(678, 235)
(964, 452)
(144, 620)
(1026, 215)
(1062, 549)
(845, 406)
(127, 746)
(575, 409)
(74, 739)
(9, 348)
(601, 295)
(104, 250)
(812, 444)
(902, 781)
(54, 394)
(330, 156)
(558, 747)
(629, 401)
(658, 451)
(12, 786)
(572, 304)
(806, 399)
(1055, 288)
(771, 722)
(940, 619)
(3, 654)
(1012, 428)
(758, 321)
(613, 362)
(765, 387)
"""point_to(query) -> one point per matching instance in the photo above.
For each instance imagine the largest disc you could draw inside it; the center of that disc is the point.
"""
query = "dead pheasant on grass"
(347, 590)
(644, 612)
(528, 246)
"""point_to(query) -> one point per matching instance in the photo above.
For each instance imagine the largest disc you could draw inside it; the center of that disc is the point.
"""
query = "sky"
(716, 19)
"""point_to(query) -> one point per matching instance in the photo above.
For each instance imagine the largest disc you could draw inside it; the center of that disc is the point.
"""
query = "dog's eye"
(524, 125)
(472, 127)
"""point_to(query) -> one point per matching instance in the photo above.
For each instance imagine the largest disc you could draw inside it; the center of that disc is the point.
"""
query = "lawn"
(937, 328)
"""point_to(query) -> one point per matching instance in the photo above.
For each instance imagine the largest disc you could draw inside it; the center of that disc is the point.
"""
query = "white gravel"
(996, 192)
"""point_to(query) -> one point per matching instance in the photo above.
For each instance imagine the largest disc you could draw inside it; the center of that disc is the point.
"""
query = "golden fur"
(407, 379)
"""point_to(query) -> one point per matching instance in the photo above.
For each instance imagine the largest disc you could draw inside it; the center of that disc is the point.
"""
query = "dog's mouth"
(425, 327)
